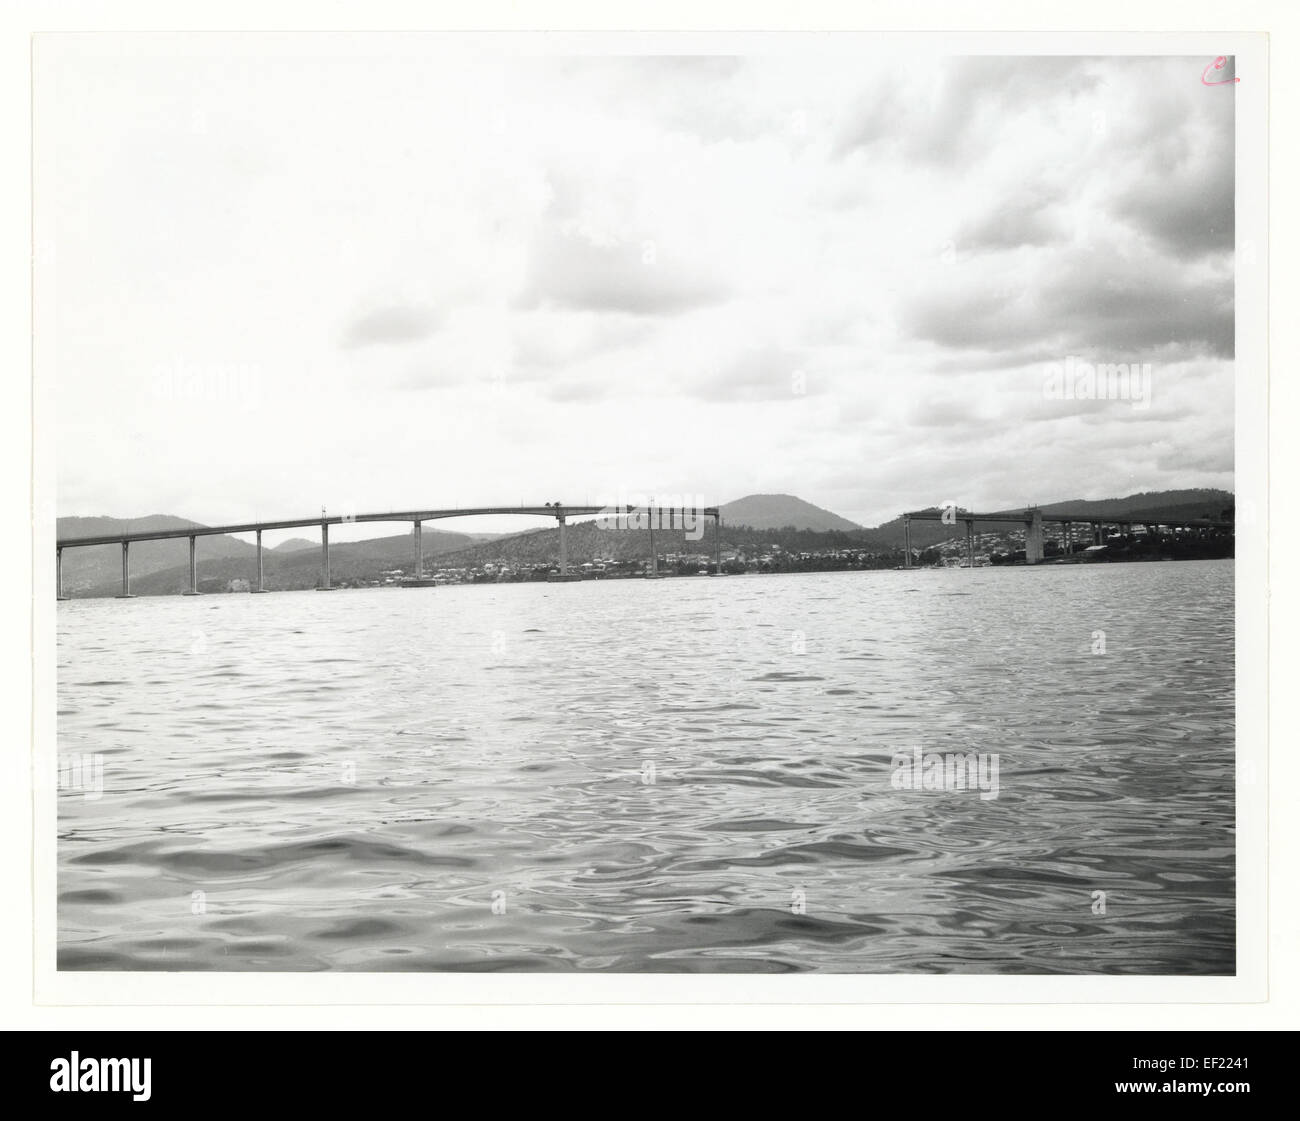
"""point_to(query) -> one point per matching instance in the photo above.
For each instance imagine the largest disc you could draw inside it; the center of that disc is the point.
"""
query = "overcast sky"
(292, 276)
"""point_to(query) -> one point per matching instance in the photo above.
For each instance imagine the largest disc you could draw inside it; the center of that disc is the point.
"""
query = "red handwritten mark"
(1218, 64)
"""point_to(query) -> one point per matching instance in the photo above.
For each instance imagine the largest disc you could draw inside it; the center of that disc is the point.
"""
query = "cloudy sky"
(303, 273)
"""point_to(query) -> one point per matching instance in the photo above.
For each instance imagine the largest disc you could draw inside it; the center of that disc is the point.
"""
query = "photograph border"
(1251, 421)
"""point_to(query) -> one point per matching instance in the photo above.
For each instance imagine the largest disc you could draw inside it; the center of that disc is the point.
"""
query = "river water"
(688, 774)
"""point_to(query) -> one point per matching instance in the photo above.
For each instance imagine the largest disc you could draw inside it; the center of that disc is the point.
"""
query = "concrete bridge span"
(675, 516)
(1033, 519)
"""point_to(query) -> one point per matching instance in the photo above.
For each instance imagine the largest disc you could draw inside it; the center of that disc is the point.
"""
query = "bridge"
(1034, 519)
(653, 516)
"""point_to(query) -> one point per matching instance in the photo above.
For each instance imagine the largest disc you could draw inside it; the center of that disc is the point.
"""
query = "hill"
(782, 511)
(1201, 503)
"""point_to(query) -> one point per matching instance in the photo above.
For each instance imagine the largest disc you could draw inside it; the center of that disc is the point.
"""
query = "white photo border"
(55, 988)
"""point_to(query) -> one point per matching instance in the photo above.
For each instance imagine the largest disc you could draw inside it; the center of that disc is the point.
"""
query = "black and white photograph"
(683, 505)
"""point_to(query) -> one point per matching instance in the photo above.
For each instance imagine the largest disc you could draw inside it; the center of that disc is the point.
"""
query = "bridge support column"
(654, 553)
(564, 553)
(717, 542)
(58, 574)
(1034, 538)
(970, 544)
(261, 586)
(126, 571)
(194, 568)
(907, 542)
(419, 550)
(1096, 533)
(324, 557)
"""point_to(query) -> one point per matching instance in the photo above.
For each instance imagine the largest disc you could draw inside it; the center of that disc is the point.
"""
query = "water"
(688, 774)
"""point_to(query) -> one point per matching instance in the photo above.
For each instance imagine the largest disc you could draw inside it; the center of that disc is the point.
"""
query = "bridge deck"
(390, 516)
(1066, 517)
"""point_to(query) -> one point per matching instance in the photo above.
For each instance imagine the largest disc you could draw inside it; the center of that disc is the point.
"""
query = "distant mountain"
(1198, 503)
(295, 545)
(782, 511)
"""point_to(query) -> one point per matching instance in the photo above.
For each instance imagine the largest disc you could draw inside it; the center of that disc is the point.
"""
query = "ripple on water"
(653, 778)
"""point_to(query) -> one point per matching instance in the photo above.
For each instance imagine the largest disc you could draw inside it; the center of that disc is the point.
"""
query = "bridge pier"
(324, 585)
(261, 587)
(418, 579)
(970, 543)
(126, 571)
(194, 569)
(563, 576)
(717, 542)
(654, 553)
(907, 542)
(58, 574)
(1034, 538)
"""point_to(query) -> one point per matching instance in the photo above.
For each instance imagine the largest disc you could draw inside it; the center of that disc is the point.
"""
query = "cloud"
(872, 120)
(768, 373)
(947, 114)
(421, 378)
(579, 391)
(394, 325)
(1190, 212)
(567, 269)
(551, 342)
(1213, 460)
(1025, 218)
(1109, 301)
(932, 411)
